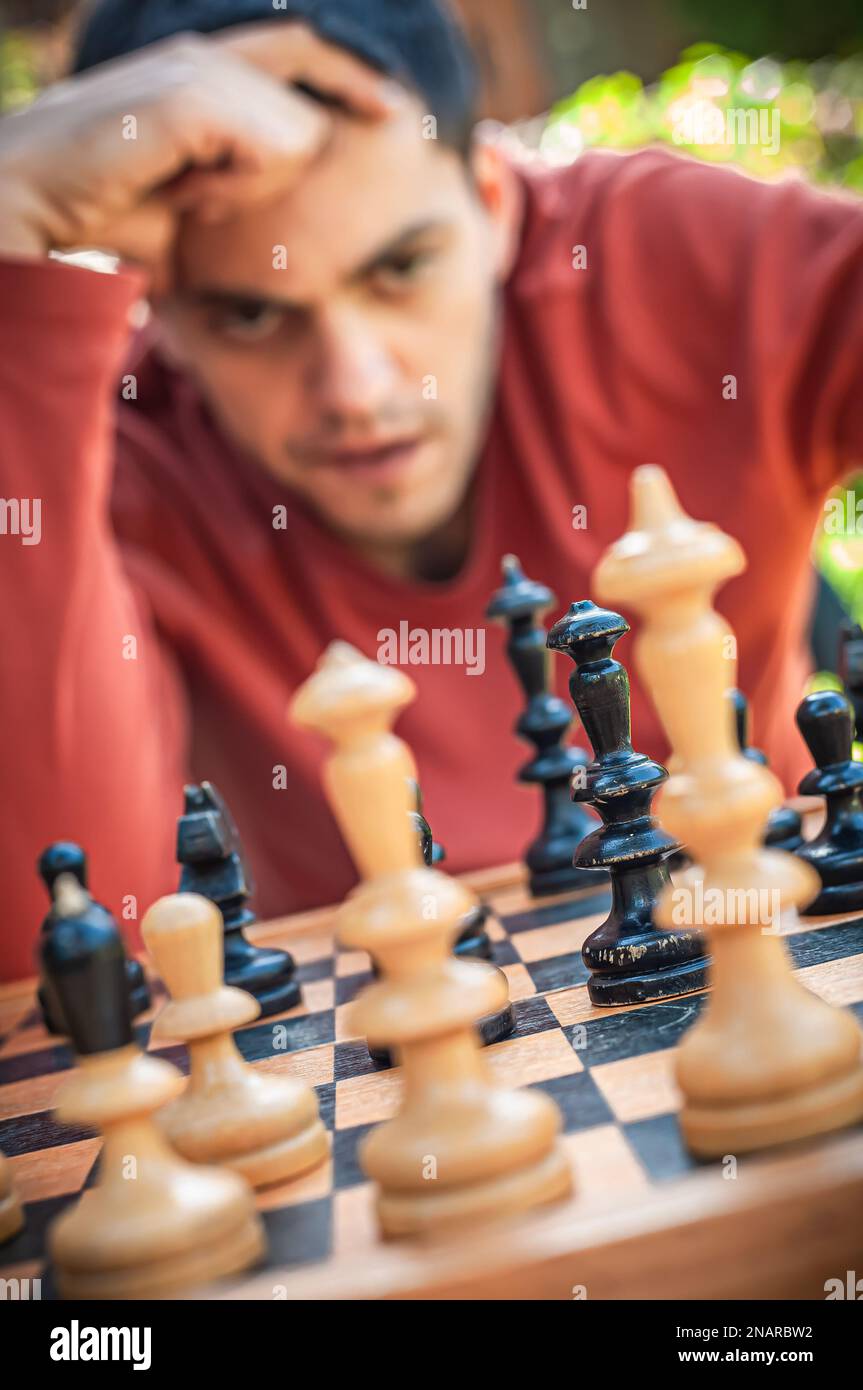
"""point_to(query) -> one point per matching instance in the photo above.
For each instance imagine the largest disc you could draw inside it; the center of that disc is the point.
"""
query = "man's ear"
(501, 194)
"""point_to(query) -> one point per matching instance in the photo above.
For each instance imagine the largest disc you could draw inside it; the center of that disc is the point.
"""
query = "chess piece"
(213, 864)
(630, 959)
(472, 942)
(11, 1215)
(473, 939)
(850, 669)
(265, 1127)
(432, 852)
(826, 721)
(767, 1061)
(64, 857)
(784, 825)
(544, 723)
(153, 1224)
(460, 1149)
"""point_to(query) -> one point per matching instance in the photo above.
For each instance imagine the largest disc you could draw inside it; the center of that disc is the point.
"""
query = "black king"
(631, 961)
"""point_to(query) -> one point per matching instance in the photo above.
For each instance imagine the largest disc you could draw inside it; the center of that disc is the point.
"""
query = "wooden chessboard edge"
(776, 1232)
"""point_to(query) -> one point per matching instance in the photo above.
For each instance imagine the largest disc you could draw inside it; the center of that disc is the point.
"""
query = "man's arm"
(91, 708)
(91, 713)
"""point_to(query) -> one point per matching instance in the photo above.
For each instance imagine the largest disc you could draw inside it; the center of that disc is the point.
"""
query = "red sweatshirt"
(161, 637)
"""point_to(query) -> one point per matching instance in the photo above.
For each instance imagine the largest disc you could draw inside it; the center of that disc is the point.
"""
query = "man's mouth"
(367, 462)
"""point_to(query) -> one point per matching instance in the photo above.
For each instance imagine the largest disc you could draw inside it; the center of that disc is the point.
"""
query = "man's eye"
(402, 270)
(247, 323)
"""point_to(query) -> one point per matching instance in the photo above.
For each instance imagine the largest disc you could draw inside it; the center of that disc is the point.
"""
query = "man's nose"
(352, 374)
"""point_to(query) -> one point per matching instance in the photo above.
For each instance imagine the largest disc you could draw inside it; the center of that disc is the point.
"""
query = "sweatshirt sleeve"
(91, 705)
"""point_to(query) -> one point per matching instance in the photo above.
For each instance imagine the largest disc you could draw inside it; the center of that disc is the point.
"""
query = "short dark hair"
(416, 42)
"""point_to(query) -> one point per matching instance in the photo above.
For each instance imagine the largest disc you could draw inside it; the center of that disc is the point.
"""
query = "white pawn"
(152, 1224)
(767, 1062)
(265, 1127)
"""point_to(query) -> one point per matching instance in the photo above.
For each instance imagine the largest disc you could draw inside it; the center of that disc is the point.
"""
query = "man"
(379, 358)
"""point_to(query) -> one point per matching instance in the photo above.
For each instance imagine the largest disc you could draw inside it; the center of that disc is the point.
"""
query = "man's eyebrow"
(220, 294)
(405, 238)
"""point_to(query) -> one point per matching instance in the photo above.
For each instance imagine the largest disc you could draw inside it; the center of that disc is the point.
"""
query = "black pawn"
(84, 968)
(473, 939)
(784, 826)
(432, 852)
(544, 723)
(630, 959)
(64, 857)
(211, 856)
(826, 721)
(850, 666)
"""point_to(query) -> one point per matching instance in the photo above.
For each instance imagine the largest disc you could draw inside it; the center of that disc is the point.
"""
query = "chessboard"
(647, 1220)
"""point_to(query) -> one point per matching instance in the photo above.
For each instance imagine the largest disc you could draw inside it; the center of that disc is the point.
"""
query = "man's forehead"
(371, 186)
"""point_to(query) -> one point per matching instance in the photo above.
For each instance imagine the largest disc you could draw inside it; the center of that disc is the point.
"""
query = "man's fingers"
(293, 53)
(231, 188)
(258, 152)
(144, 236)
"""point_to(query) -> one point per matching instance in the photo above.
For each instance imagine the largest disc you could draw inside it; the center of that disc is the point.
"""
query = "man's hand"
(113, 157)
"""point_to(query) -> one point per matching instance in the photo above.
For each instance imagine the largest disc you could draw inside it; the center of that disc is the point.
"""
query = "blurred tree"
(17, 13)
(791, 28)
(33, 46)
(506, 42)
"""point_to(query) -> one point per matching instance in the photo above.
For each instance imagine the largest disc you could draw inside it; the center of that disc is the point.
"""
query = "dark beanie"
(415, 41)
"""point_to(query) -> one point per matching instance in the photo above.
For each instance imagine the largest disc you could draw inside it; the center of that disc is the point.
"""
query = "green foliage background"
(18, 69)
(796, 28)
(819, 106)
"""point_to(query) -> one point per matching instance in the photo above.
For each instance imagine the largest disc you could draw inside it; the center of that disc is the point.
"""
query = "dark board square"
(177, 1054)
(532, 1016)
(26, 1065)
(24, 1134)
(352, 1059)
(581, 1102)
(659, 1145)
(326, 1094)
(292, 1034)
(828, 943)
(346, 1167)
(31, 1242)
(558, 972)
(315, 970)
(504, 953)
(349, 986)
(94, 1172)
(571, 910)
(651, 1028)
(300, 1234)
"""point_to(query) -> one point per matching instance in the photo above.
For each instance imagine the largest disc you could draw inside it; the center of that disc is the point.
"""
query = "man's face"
(344, 335)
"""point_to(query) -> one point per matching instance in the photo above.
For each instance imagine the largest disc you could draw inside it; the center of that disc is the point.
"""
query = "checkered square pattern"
(609, 1071)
